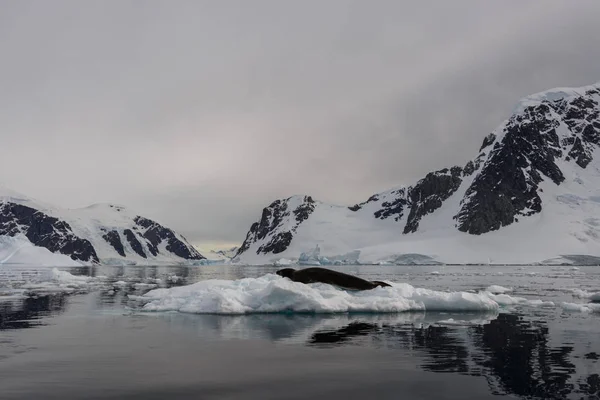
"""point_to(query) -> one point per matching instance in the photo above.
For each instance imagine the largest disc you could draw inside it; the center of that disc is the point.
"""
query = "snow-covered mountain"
(101, 233)
(531, 194)
(223, 254)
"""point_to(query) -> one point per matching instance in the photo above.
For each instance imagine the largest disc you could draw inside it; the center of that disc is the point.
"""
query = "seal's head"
(286, 272)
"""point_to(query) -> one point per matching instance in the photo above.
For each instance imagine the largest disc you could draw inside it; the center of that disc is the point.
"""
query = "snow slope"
(18, 250)
(272, 294)
(101, 233)
(531, 195)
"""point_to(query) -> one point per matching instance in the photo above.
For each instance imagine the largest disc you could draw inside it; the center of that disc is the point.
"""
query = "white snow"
(90, 223)
(496, 289)
(584, 294)
(18, 250)
(273, 294)
(552, 95)
(584, 308)
(20, 281)
(506, 300)
(567, 226)
(282, 262)
(463, 322)
(219, 255)
(542, 238)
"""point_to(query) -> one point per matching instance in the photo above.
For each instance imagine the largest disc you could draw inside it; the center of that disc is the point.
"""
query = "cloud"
(201, 113)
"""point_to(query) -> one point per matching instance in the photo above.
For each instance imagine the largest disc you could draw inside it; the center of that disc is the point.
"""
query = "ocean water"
(94, 338)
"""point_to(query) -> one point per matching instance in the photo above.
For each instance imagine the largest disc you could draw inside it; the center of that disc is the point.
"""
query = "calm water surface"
(99, 345)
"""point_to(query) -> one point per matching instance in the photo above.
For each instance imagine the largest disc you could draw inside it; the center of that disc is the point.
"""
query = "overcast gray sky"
(200, 113)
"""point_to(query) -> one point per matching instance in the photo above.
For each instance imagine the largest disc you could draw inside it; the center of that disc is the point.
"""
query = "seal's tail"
(382, 284)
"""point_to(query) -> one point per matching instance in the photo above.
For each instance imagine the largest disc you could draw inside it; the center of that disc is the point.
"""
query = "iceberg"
(273, 294)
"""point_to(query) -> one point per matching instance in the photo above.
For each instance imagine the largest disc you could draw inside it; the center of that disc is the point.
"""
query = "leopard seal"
(324, 275)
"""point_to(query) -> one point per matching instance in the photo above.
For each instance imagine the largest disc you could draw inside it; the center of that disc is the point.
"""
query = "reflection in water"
(27, 313)
(514, 353)
(517, 354)
(446, 352)
(590, 386)
(511, 352)
(344, 334)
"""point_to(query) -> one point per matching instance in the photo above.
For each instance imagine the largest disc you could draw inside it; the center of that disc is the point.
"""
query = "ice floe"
(496, 289)
(273, 294)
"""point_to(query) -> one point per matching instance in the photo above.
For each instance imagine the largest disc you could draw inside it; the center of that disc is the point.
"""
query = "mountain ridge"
(550, 142)
(100, 233)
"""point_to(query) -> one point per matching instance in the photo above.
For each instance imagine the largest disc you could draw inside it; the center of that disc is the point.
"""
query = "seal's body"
(323, 275)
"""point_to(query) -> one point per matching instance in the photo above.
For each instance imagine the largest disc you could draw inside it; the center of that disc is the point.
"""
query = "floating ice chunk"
(434, 273)
(584, 294)
(324, 261)
(461, 322)
(311, 258)
(578, 307)
(273, 294)
(175, 278)
(506, 300)
(495, 289)
(57, 281)
(65, 277)
(283, 262)
(144, 286)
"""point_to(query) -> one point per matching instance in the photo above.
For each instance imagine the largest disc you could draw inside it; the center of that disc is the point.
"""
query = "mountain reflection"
(518, 355)
(28, 312)
(344, 334)
(511, 352)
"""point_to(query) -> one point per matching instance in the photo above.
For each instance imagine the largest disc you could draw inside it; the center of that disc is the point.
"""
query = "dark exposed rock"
(156, 233)
(487, 141)
(469, 169)
(134, 242)
(505, 178)
(303, 211)
(250, 238)
(392, 208)
(44, 231)
(579, 154)
(507, 186)
(583, 119)
(114, 239)
(180, 249)
(357, 207)
(58, 236)
(429, 193)
(271, 219)
(278, 244)
(272, 216)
